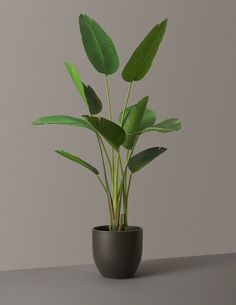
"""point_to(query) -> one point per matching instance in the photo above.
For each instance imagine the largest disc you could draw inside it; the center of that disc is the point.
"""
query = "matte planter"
(117, 254)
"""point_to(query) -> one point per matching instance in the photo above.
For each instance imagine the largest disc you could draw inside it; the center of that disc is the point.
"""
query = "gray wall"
(186, 199)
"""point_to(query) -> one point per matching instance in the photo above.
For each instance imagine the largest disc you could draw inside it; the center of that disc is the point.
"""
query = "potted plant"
(117, 247)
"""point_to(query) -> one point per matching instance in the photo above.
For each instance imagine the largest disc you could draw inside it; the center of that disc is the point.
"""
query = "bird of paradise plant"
(134, 120)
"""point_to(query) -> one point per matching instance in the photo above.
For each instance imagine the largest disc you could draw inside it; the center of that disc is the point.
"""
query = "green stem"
(111, 212)
(121, 165)
(116, 177)
(124, 174)
(110, 118)
(126, 103)
(104, 166)
(127, 155)
(129, 183)
(102, 183)
(125, 194)
(108, 98)
(106, 154)
(126, 166)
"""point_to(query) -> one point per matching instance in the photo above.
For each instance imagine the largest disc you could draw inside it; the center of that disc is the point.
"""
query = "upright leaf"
(77, 160)
(142, 58)
(141, 159)
(112, 133)
(63, 120)
(133, 121)
(98, 46)
(165, 126)
(148, 120)
(94, 102)
(76, 80)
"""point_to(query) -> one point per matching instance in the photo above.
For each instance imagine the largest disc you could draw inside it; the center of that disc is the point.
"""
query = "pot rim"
(104, 229)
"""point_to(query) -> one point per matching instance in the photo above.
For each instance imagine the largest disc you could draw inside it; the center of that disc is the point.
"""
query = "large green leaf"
(141, 159)
(148, 120)
(94, 102)
(165, 126)
(63, 120)
(98, 46)
(77, 160)
(133, 121)
(142, 58)
(76, 80)
(112, 133)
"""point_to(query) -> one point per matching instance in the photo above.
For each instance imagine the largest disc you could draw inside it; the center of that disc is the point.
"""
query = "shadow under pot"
(117, 254)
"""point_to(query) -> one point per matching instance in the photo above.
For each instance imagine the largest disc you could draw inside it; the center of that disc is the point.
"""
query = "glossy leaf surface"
(142, 58)
(144, 157)
(94, 102)
(77, 160)
(133, 121)
(63, 120)
(98, 46)
(165, 126)
(148, 120)
(110, 131)
(76, 80)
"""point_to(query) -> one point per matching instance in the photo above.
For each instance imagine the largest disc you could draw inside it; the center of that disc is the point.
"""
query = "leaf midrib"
(97, 43)
(148, 52)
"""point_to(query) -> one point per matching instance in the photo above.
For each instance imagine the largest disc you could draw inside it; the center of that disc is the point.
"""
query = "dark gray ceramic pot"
(117, 254)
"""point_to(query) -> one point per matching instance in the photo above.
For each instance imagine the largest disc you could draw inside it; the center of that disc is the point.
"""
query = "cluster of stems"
(116, 181)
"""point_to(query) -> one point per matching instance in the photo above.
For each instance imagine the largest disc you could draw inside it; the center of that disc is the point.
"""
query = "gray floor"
(203, 280)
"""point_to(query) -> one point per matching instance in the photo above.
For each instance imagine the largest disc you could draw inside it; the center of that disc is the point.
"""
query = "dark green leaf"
(94, 102)
(63, 120)
(98, 46)
(141, 159)
(112, 133)
(133, 121)
(142, 58)
(76, 80)
(168, 125)
(77, 160)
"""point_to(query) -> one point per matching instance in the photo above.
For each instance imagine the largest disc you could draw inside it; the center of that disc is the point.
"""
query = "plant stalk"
(108, 98)
(102, 183)
(124, 174)
(106, 154)
(126, 103)
(106, 181)
(112, 149)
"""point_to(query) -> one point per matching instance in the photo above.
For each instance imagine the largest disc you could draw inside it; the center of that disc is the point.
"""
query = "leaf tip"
(165, 21)
(59, 151)
(36, 122)
(81, 17)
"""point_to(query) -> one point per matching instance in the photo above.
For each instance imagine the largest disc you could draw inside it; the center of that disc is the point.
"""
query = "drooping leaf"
(63, 120)
(111, 132)
(76, 80)
(144, 157)
(165, 126)
(94, 102)
(133, 121)
(142, 58)
(98, 46)
(77, 160)
(148, 120)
